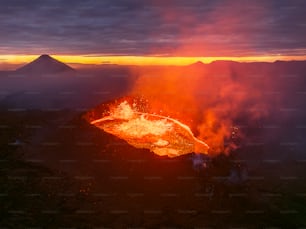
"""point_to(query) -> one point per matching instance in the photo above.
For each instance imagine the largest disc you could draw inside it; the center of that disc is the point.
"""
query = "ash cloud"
(210, 99)
(227, 101)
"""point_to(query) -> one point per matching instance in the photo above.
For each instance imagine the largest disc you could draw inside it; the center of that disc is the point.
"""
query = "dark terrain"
(58, 171)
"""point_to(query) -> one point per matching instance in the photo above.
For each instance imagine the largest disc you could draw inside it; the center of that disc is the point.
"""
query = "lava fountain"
(165, 136)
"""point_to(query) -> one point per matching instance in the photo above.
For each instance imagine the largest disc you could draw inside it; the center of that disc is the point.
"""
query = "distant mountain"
(44, 64)
(197, 64)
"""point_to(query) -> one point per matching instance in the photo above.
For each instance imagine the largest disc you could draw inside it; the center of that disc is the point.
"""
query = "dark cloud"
(138, 27)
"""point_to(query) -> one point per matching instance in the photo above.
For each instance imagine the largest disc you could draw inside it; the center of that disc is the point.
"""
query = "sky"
(118, 29)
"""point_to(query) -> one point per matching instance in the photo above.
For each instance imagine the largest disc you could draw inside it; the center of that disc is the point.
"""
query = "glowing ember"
(160, 134)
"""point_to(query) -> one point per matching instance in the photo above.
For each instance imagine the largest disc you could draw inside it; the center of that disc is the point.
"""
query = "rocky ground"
(57, 171)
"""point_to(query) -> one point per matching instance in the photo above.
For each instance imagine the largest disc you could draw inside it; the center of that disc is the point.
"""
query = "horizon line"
(13, 60)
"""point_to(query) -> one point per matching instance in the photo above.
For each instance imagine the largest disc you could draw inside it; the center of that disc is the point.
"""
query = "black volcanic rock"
(45, 64)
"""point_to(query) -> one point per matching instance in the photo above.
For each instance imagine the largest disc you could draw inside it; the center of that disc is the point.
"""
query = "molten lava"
(163, 135)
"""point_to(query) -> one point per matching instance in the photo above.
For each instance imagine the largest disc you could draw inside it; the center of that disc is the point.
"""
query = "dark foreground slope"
(77, 176)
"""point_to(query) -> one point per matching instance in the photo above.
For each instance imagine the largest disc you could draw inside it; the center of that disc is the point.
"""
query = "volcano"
(165, 136)
(45, 64)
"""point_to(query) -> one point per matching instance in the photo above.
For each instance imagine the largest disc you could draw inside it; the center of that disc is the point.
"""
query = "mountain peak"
(197, 64)
(45, 56)
(45, 64)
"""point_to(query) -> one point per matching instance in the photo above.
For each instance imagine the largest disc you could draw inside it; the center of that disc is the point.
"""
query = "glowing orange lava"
(162, 135)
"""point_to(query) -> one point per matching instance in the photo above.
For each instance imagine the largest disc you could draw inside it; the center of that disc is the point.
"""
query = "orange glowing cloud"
(209, 105)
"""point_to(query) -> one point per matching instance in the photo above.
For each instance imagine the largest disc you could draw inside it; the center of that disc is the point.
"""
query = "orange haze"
(208, 101)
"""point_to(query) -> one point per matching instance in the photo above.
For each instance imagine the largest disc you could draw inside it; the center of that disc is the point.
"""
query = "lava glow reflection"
(164, 136)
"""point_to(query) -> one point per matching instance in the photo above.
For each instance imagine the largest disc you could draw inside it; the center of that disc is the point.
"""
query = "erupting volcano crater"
(128, 120)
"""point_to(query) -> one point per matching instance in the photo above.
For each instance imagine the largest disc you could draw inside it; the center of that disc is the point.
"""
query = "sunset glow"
(142, 60)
